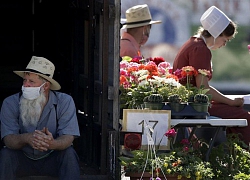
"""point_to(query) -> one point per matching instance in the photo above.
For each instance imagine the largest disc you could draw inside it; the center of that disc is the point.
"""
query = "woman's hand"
(237, 102)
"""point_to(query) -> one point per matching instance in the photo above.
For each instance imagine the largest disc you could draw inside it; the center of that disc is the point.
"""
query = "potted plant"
(201, 100)
(231, 159)
(183, 161)
(153, 101)
(140, 78)
(175, 102)
(200, 103)
(198, 99)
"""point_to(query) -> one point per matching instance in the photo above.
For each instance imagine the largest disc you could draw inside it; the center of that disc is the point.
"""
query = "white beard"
(30, 110)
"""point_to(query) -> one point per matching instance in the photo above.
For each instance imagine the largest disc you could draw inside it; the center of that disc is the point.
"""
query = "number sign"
(155, 122)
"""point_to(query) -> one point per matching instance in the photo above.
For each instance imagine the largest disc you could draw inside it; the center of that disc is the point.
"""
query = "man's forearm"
(62, 142)
(17, 141)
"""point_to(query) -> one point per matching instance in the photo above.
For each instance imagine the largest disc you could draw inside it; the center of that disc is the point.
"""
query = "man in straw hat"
(38, 127)
(138, 25)
(216, 30)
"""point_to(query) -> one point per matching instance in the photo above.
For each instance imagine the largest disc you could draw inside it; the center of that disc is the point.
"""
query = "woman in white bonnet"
(217, 29)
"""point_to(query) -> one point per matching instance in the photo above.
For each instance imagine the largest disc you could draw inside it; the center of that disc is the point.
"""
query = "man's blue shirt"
(59, 115)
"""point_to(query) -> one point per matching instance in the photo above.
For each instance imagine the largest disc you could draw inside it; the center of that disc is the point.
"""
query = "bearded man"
(38, 127)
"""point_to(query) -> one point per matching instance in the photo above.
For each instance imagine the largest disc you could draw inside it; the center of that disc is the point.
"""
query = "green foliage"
(182, 92)
(175, 98)
(176, 162)
(154, 98)
(137, 163)
(228, 161)
(201, 98)
(231, 160)
(136, 95)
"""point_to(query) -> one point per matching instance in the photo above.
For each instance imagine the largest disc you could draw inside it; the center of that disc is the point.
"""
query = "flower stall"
(143, 78)
(152, 80)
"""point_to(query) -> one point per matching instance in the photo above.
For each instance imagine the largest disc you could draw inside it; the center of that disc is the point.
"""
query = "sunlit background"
(181, 19)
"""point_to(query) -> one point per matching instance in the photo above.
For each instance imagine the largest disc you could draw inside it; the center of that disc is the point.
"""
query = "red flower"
(157, 60)
(136, 59)
(185, 141)
(174, 164)
(170, 133)
(141, 66)
(132, 69)
(178, 74)
(188, 71)
(123, 79)
(152, 69)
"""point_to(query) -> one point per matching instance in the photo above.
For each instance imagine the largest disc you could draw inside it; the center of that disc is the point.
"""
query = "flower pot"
(153, 106)
(147, 175)
(177, 107)
(200, 107)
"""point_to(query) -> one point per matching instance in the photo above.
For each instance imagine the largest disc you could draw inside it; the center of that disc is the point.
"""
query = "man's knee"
(69, 154)
(7, 154)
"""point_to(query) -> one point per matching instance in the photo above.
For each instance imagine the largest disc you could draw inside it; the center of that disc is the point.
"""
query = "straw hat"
(214, 21)
(138, 16)
(42, 67)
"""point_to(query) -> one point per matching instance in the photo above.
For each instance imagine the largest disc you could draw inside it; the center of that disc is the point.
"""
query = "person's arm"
(40, 140)
(216, 95)
(18, 141)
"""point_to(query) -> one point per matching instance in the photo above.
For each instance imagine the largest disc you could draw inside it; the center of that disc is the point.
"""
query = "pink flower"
(165, 65)
(123, 64)
(185, 149)
(162, 70)
(133, 65)
(178, 73)
(151, 63)
(204, 72)
(123, 72)
(170, 133)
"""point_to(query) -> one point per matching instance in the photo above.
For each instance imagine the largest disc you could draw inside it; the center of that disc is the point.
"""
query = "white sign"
(148, 122)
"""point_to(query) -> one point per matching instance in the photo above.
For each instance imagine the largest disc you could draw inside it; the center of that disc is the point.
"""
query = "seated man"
(38, 127)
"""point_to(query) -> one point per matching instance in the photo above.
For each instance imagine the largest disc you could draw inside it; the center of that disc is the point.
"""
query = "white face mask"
(31, 93)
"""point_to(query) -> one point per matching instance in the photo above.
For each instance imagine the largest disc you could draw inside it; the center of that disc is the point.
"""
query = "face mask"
(144, 38)
(31, 93)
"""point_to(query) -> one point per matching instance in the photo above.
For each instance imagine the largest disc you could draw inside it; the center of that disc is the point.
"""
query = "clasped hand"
(42, 139)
